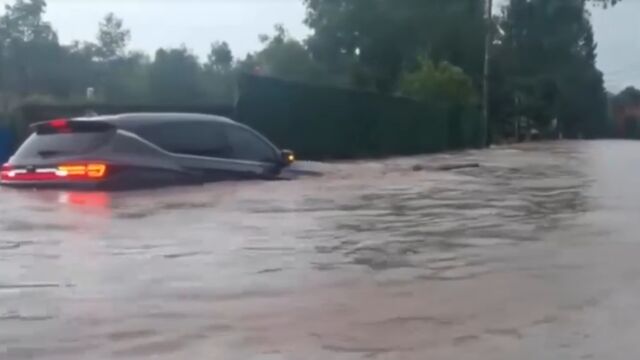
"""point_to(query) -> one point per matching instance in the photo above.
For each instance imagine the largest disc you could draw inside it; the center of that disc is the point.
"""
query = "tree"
(248, 65)
(220, 57)
(79, 69)
(625, 112)
(120, 76)
(543, 68)
(547, 63)
(218, 76)
(440, 82)
(174, 77)
(113, 38)
(285, 58)
(30, 52)
(127, 79)
(629, 97)
(23, 22)
(604, 3)
(384, 38)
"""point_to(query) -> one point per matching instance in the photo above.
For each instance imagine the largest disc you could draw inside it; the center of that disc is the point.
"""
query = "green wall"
(330, 123)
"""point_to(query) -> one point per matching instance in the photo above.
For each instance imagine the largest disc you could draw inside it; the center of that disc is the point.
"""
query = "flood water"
(533, 255)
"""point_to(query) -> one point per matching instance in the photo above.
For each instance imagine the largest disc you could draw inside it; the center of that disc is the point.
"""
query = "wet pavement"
(533, 255)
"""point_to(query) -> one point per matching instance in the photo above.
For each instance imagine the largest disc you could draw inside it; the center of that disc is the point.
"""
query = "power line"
(622, 76)
(624, 68)
(623, 72)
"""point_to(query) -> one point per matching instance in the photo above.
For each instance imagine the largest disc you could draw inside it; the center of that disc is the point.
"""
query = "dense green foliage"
(379, 40)
(546, 68)
(35, 67)
(543, 67)
(543, 60)
(442, 82)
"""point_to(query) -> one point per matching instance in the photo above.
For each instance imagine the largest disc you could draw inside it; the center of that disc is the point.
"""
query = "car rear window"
(52, 145)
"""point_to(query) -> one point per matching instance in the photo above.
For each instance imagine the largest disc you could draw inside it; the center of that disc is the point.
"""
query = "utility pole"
(486, 98)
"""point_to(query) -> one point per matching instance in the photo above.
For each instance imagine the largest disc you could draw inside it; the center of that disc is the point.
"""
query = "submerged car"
(142, 150)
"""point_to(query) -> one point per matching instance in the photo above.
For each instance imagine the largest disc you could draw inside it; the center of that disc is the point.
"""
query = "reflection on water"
(344, 266)
(86, 200)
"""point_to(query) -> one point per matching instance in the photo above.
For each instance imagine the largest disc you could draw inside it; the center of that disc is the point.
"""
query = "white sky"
(618, 35)
(171, 23)
(197, 23)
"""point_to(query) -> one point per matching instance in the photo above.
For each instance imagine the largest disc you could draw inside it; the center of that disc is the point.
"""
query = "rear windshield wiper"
(49, 153)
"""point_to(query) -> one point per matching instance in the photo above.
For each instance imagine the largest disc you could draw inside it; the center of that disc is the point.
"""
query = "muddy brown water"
(534, 255)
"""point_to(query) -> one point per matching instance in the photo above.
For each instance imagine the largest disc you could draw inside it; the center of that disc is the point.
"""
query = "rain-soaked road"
(534, 255)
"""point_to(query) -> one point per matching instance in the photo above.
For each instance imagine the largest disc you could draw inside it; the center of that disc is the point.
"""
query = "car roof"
(140, 119)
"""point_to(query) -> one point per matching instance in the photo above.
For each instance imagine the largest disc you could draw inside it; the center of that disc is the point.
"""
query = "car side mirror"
(287, 157)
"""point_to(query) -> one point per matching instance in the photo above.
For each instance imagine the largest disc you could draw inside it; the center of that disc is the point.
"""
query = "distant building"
(625, 110)
(627, 118)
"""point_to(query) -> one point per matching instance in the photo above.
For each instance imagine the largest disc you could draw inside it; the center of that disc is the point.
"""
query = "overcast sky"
(618, 36)
(197, 23)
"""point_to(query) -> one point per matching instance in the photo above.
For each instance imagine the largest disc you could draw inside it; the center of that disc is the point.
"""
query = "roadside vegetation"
(543, 61)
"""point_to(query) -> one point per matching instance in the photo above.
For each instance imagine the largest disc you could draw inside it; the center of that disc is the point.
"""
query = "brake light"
(4, 172)
(82, 171)
(68, 172)
(66, 126)
(59, 123)
(60, 126)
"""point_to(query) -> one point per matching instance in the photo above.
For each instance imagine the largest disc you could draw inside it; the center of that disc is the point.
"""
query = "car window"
(245, 145)
(51, 145)
(188, 138)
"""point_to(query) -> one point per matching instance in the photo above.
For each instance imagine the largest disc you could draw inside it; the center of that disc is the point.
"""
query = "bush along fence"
(329, 123)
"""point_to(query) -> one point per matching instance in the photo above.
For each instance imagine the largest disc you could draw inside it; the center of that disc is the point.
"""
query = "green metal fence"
(324, 123)
(6, 143)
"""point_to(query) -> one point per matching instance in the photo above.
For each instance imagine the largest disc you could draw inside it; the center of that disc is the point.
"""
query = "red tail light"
(90, 171)
(4, 171)
(59, 123)
(68, 172)
(64, 126)
(60, 126)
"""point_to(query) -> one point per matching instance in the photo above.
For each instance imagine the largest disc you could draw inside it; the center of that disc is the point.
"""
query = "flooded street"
(534, 255)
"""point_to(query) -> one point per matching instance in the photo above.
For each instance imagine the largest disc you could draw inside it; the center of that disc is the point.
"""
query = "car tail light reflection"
(96, 200)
